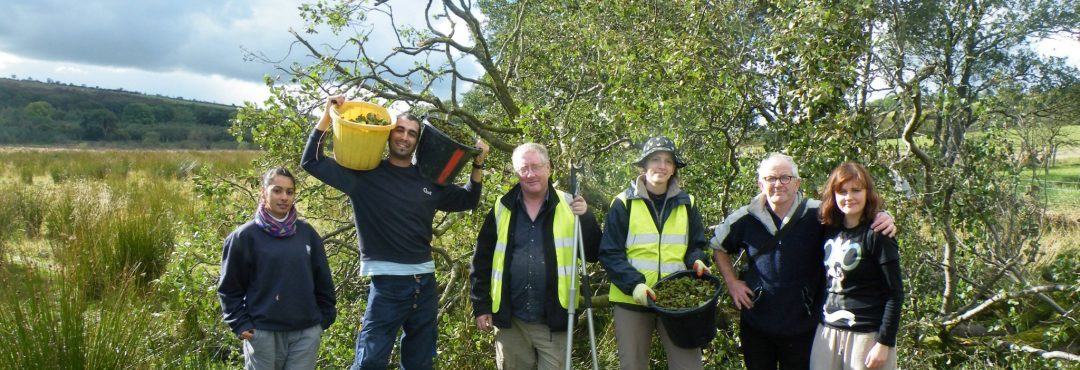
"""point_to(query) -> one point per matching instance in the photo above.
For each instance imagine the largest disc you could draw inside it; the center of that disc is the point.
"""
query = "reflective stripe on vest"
(563, 239)
(653, 254)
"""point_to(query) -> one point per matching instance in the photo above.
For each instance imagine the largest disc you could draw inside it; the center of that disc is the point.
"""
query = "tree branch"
(1000, 297)
(1057, 355)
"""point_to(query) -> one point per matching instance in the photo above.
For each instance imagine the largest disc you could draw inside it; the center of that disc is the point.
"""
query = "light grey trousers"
(277, 350)
(836, 349)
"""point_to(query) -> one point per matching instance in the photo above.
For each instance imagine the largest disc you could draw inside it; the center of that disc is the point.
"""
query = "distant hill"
(54, 113)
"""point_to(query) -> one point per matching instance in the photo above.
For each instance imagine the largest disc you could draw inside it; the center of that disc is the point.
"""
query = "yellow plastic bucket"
(359, 146)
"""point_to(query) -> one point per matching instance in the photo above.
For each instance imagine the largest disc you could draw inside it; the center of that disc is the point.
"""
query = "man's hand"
(700, 268)
(247, 334)
(483, 322)
(331, 102)
(883, 223)
(642, 292)
(483, 146)
(579, 206)
(877, 356)
(740, 294)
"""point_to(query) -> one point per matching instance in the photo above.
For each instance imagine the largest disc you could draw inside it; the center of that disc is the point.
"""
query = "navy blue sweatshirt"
(393, 206)
(275, 284)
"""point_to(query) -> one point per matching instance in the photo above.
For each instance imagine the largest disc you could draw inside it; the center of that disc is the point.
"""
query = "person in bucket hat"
(659, 144)
(652, 229)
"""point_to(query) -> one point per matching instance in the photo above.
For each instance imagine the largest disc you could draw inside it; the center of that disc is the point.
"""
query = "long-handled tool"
(579, 253)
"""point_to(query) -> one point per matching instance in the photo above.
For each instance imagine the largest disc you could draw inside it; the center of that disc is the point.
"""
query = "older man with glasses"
(520, 269)
(779, 290)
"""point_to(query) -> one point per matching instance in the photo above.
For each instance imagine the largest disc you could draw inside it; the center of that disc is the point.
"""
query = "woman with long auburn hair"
(863, 280)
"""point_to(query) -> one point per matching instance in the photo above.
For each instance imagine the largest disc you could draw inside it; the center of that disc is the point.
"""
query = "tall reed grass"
(53, 324)
(95, 233)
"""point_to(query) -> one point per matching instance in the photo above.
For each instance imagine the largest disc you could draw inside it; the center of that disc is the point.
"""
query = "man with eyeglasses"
(520, 275)
(779, 292)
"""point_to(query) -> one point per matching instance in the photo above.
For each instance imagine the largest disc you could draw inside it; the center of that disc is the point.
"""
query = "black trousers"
(766, 352)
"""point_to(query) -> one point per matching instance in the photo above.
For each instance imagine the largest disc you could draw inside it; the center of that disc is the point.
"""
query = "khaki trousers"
(529, 346)
(836, 349)
(633, 335)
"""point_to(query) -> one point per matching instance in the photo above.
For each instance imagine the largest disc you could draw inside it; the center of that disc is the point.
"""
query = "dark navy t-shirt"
(394, 206)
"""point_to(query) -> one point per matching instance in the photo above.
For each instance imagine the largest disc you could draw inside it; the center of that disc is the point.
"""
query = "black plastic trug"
(690, 328)
(439, 157)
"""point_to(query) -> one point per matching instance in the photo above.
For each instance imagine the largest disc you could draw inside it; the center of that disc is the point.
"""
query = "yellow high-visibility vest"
(563, 234)
(653, 254)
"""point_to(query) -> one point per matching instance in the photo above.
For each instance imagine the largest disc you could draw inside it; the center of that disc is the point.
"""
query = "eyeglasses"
(538, 168)
(785, 179)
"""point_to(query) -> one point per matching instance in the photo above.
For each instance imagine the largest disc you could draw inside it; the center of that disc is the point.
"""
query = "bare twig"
(998, 298)
(1057, 355)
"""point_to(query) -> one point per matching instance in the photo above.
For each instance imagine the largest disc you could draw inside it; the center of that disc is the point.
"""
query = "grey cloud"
(199, 36)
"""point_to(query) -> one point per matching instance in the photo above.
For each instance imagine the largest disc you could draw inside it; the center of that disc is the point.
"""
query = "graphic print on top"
(841, 255)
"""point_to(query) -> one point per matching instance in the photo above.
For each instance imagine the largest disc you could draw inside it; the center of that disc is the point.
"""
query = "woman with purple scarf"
(275, 288)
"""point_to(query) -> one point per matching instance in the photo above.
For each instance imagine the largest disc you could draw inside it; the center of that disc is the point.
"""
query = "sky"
(193, 49)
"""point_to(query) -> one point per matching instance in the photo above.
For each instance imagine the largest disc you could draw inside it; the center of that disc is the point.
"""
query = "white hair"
(777, 156)
(519, 153)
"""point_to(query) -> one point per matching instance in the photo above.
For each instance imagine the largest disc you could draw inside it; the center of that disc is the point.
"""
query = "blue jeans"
(409, 303)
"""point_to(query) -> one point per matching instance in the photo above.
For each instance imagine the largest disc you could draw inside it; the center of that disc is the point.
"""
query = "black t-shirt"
(863, 282)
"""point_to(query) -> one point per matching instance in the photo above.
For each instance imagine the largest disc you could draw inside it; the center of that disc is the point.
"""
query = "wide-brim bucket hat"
(659, 144)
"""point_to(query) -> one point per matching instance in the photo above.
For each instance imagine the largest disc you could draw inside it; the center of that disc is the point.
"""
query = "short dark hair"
(412, 117)
(268, 177)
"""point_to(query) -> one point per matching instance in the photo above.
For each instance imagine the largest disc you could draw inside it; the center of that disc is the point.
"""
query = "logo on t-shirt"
(841, 256)
(426, 191)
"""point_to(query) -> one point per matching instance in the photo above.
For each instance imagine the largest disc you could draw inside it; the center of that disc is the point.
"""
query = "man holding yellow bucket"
(393, 208)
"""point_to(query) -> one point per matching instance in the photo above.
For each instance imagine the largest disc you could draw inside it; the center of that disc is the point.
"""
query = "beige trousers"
(529, 346)
(633, 336)
(836, 349)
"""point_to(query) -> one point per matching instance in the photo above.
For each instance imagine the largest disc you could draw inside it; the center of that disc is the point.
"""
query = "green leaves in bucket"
(454, 130)
(371, 119)
(684, 293)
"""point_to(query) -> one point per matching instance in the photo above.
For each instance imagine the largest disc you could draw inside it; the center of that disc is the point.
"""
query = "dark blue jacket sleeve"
(613, 250)
(696, 241)
(325, 296)
(480, 272)
(324, 168)
(894, 295)
(233, 283)
(461, 198)
(590, 236)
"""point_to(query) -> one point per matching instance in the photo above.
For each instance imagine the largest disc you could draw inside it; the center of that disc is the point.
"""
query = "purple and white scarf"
(279, 229)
